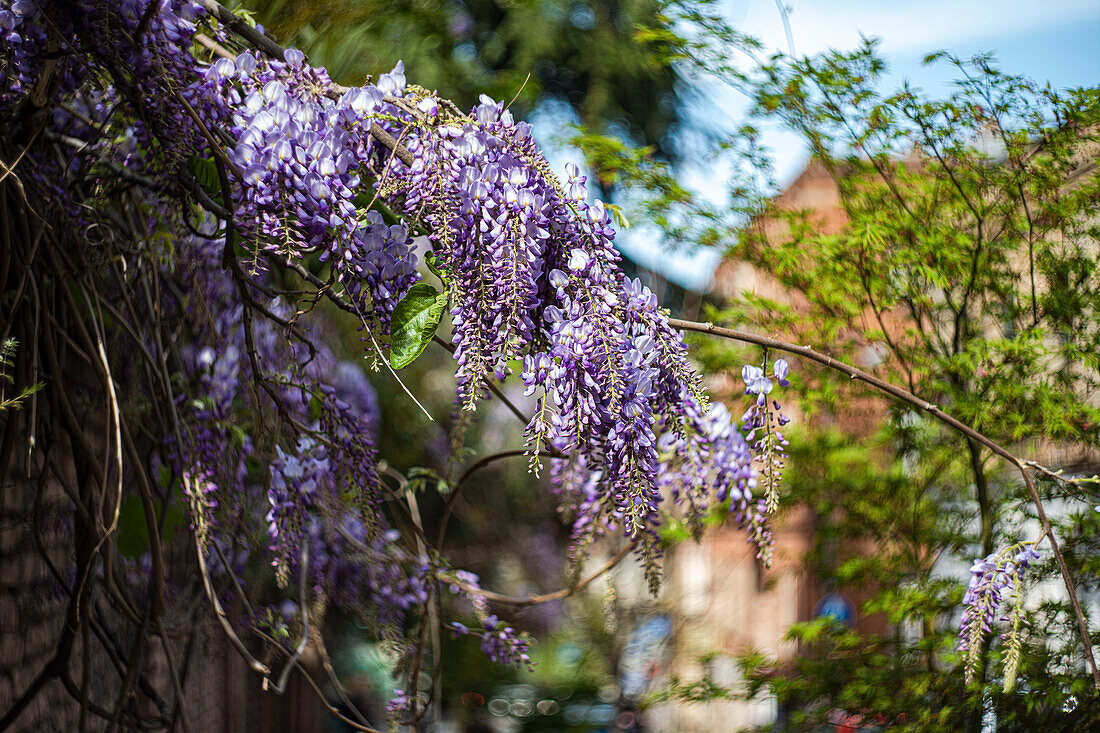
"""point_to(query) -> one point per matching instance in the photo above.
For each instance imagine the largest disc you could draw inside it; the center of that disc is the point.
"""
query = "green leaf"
(673, 531)
(205, 171)
(620, 217)
(421, 478)
(414, 322)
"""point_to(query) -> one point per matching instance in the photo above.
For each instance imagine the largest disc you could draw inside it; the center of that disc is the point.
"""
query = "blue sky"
(1055, 40)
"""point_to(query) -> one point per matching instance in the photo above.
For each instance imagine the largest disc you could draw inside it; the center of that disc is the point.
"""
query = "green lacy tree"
(965, 269)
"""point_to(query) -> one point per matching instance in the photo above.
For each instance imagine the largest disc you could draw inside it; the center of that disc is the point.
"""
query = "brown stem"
(1082, 623)
(557, 595)
(457, 488)
(981, 488)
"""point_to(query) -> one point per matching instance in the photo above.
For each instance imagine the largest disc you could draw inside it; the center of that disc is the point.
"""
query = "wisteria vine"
(278, 187)
(270, 187)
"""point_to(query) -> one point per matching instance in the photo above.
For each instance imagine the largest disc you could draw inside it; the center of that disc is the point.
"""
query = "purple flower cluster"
(212, 458)
(53, 53)
(322, 491)
(22, 37)
(761, 424)
(500, 642)
(276, 435)
(399, 704)
(718, 459)
(160, 59)
(991, 580)
(532, 274)
(614, 380)
(299, 149)
(529, 261)
(367, 574)
(296, 480)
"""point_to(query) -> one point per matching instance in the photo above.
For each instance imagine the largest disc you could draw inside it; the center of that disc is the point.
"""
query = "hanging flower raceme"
(761, 424)
(529, 264)
(301, 156)
(991, 580)
(718, 457)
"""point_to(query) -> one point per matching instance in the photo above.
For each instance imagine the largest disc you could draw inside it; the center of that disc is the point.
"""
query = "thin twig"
(534, 600)
(219, 612)
(484, 461)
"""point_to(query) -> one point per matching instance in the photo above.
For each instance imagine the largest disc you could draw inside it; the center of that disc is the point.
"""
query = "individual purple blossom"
(574, 181)
(428, 106)
(781, 369)
(756, 383)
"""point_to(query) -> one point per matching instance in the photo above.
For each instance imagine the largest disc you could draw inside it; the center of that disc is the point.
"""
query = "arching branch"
(907, 397)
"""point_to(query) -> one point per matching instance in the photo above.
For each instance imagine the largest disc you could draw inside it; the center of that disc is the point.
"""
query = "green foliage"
(959, 261)
(650, 191)
(911, 688)
(964, 268)
(704, 689)
(421, 479)
(969, 242)
(133, 533)
(205, 172)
